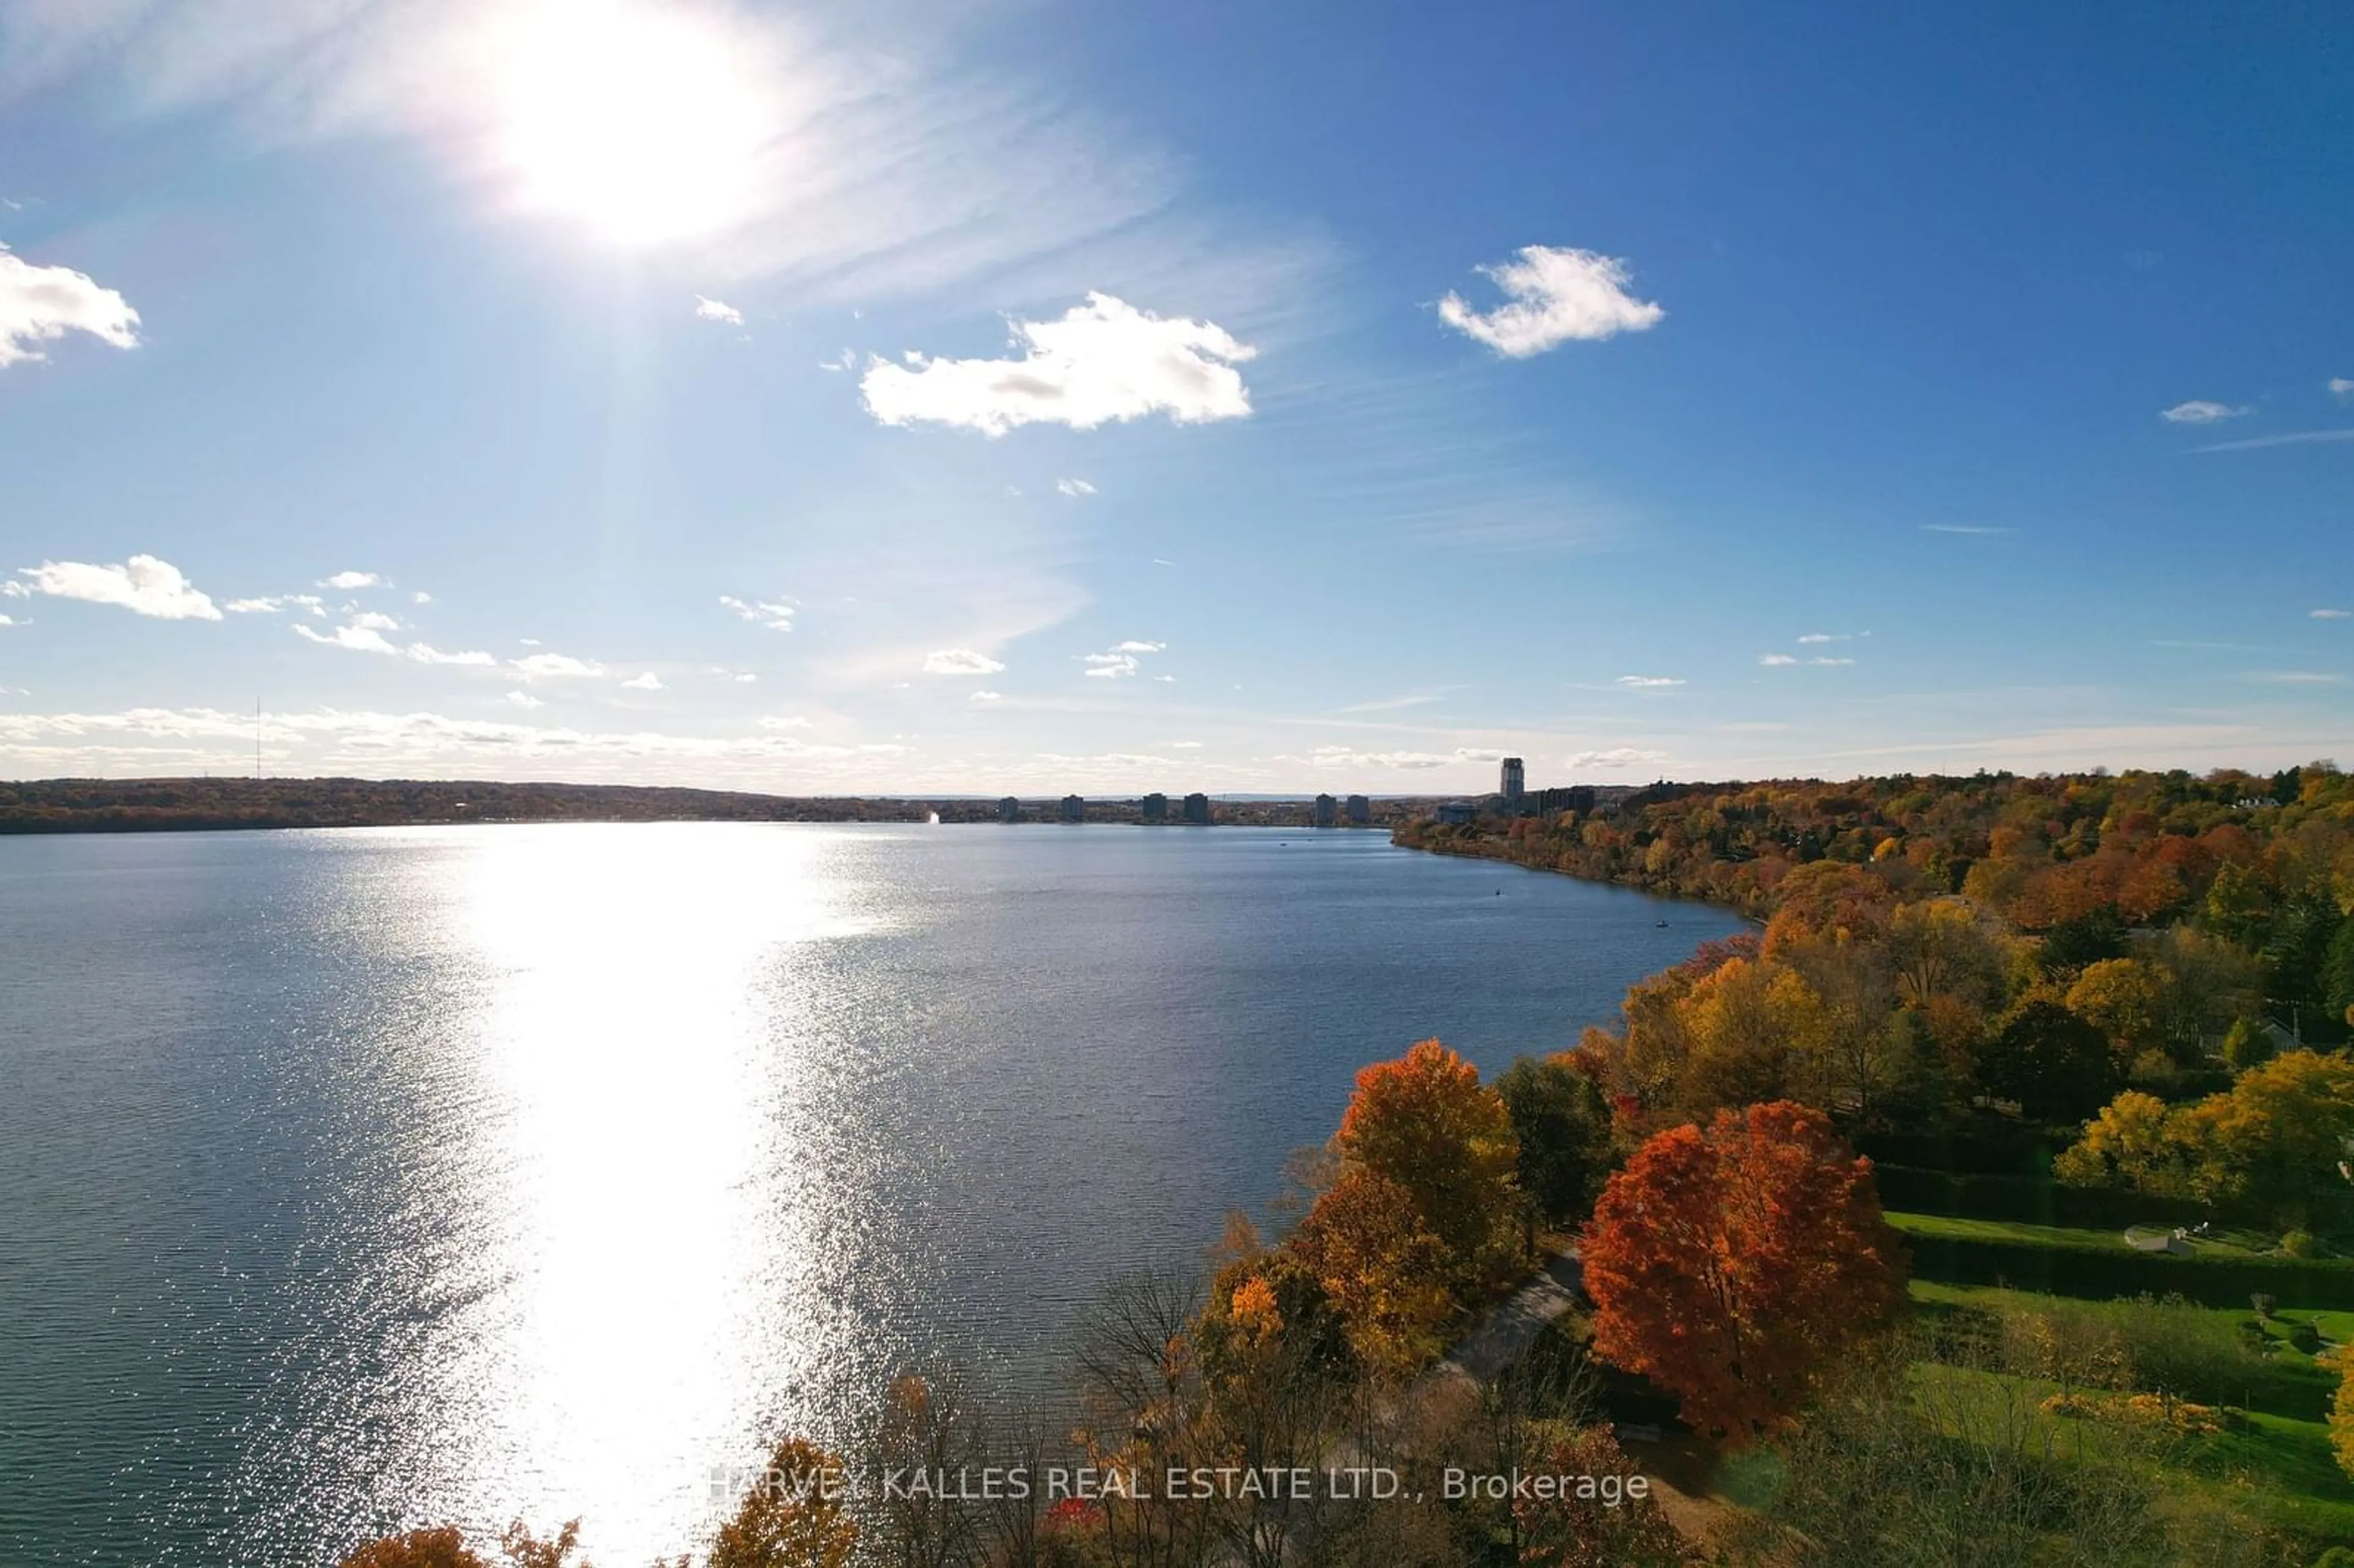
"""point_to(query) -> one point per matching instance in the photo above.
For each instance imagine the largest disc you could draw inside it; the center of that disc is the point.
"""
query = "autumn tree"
(1574, 1528)
(2268, 1148)
(792, 1517)
(1382, 1272)
(2121, 998)
(1732, 1265)
(1426, 1124)
(443, 1547)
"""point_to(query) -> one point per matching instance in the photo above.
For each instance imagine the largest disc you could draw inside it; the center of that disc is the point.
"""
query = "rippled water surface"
(355, 1178)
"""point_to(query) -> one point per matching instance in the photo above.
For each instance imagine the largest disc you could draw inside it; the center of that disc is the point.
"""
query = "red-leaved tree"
(1731, 1266)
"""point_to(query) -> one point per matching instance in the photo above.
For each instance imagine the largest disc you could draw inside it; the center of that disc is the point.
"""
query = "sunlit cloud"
(1616, 756)
(426, 653)
(1554, 296)
(351, 637)
(708, 310)
(2203, 411)
(142, 585)
(1073, 487)
(960, 662)
(41, 304)
(649, 682)
(1777, 661)
(350, 580)
(1102, 362)
(1649, 683)
(554, 667)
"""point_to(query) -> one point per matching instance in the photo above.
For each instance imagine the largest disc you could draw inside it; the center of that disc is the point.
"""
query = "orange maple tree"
(1731, 1266)
(1425, 1122)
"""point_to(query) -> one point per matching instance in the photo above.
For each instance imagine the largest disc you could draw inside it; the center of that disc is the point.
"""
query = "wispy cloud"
(1968, 528)
(709, 310)
(649, 682)
(1616, 756)
(2293, 438)
(1553, 296)
(351, 637)
(1101, 362)
(2341, 387)
(777, 615)
(2296, 677)
(473, 658)
(143, 585)
(1073, 487)
(272, 604)
(2202, 411)
(1649, 683)
(1777, 661)
(41, 304)
(2331, 614)
(346, 581)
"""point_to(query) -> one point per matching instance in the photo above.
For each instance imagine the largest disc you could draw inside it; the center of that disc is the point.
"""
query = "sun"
(644, 120)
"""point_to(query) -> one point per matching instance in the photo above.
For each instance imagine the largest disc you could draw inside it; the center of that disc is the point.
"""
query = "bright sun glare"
(638, 118)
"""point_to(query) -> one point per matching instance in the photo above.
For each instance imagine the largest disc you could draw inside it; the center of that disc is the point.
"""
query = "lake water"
(356, 1179)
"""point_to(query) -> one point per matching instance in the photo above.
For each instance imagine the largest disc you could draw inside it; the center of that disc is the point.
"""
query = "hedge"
(2102, 1273)
(1915, 1190)
(1983, 1148)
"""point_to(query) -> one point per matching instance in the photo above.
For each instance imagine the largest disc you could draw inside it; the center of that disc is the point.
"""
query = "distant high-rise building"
(1197, 810)
(1514, 782)
(1074, 809)
(1327, 811)
(1155, 807)
(1009, 810)
(1359, 810)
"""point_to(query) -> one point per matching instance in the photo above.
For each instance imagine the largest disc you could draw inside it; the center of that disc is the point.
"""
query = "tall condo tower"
(1514, 781)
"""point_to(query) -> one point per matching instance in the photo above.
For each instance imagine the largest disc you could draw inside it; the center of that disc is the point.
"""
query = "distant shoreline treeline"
(199, 805)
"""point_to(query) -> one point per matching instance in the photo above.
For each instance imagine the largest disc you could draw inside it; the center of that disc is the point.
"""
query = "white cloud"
(12, 588)
(1830, 662)
(354, 637)
(143, 585)
(2297, 677)
(525, 700)
(717, 311)
(1074, 487)
(960, 662)
(272, 604)
(2341, 386)
(1775, 661)
(2331, 614)
(1184, 745)
(372, 620)
(1110, 666)
(1817, 637)
(2202, 411)
(426, 653)
(1099, 361)
(1963, 528)
(554, 667)
(785, 721)
(2290, 438)
(774, 615)
(1349, 756)
(41, 304)
(420, 596)
(987, 697)
(1556, 296)
(7, 621)
(1616, 756)
(348, 580)
(1135, 647)
(747, 678)
(649, 682)
(1649, 683)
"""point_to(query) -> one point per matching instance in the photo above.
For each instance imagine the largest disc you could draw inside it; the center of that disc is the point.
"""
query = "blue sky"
(987, 398)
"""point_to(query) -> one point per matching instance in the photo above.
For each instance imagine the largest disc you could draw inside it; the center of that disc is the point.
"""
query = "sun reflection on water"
(646, 1203)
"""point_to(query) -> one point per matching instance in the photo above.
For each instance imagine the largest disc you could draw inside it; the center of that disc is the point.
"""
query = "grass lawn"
(2016, 1231)
(2274, 1470)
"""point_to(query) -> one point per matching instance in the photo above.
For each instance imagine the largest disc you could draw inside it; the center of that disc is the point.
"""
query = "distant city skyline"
(1292, 401)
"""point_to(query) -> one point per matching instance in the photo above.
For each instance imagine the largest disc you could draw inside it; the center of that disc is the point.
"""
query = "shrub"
(2263, 1304)
(2297, 1244)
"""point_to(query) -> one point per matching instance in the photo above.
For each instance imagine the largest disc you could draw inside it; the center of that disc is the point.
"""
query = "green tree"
(1563, 1128)
(2054, 1063)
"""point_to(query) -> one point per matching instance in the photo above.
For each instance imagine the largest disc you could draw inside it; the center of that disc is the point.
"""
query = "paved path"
(1505, 1334)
